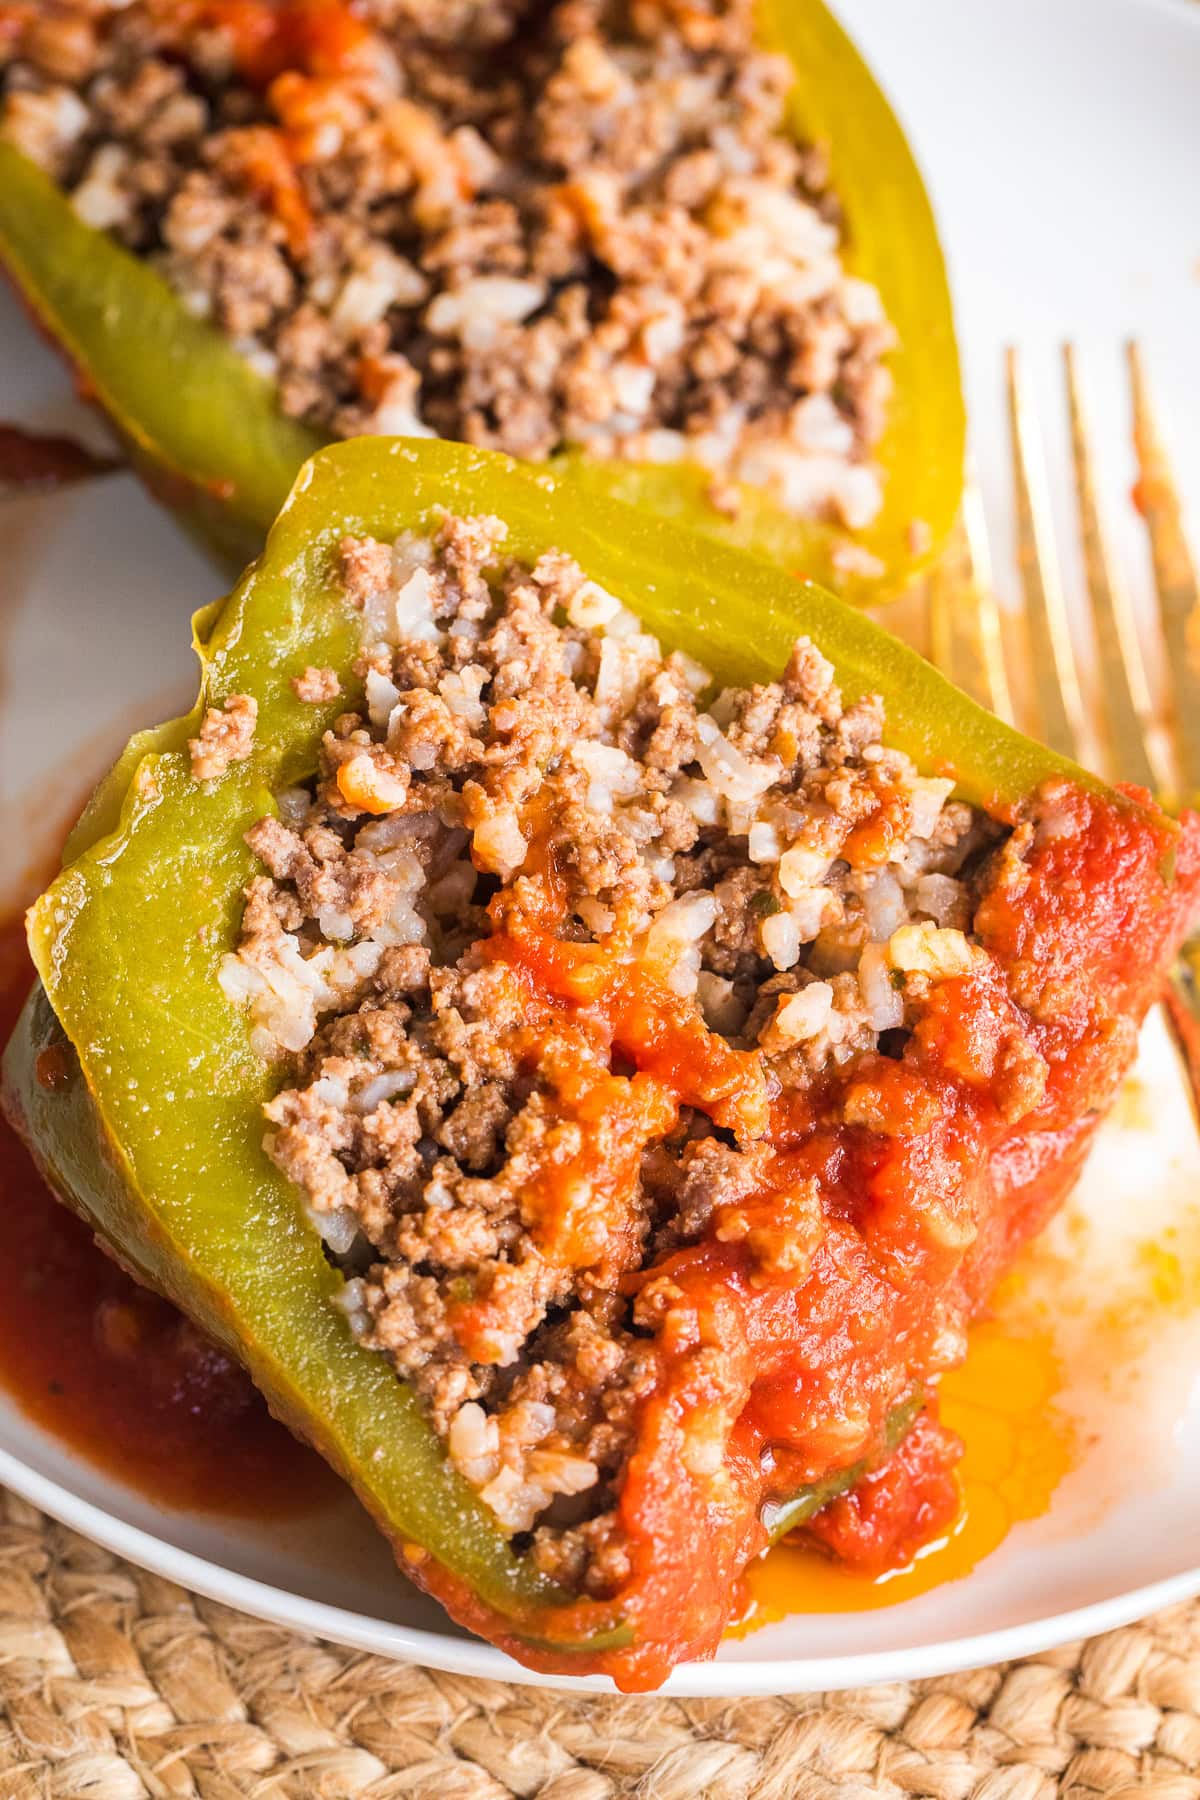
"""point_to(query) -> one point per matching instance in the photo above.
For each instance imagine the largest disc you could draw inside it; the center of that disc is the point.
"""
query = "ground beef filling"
(554, 941)
(525, 225)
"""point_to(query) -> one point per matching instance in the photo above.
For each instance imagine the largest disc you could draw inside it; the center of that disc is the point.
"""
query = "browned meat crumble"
(226, 736)
(526, 760)
(315, 686)
(528, 226)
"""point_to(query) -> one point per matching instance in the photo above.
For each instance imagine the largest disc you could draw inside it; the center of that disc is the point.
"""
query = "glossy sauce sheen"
(117, 1374)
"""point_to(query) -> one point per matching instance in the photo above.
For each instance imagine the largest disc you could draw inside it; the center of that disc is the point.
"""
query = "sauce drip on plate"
(34, 461)
(1018, 1447)
(116, 1373)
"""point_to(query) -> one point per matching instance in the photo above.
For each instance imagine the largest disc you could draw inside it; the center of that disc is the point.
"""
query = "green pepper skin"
(157, 1139)
(203, 428)
(789, 1515)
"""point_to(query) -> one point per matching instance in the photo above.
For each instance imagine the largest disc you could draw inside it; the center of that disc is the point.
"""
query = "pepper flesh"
(157, 1138)
(204, 429)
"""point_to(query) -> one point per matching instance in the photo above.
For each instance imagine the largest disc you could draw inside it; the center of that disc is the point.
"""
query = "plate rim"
(765, 1676)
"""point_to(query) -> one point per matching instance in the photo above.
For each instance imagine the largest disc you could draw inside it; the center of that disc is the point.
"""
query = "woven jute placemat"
(117, 1685)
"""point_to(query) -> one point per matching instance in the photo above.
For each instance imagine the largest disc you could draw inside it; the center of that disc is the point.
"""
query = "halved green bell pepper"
(204, 429)
(155, 1137)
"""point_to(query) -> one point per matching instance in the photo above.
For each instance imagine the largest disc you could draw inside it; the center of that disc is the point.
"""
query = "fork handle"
(1182, 998)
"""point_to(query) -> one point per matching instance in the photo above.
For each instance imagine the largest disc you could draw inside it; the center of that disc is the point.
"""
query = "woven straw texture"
(115, 1685)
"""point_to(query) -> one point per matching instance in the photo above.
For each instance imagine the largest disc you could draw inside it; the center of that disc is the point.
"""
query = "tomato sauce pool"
(117, 1374)
(31, 461)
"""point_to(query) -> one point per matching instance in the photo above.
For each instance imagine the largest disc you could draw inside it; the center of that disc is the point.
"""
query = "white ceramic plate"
(1061, 147)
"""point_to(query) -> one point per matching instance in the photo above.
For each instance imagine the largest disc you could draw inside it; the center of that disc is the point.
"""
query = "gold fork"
(1109, 716)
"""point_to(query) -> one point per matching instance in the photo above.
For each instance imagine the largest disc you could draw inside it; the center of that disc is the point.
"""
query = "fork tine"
(1054, 677)
(994, 671)
(964, 620)
(1135, 745)
(1051, 668)
(1157, 500)
(1182, 999)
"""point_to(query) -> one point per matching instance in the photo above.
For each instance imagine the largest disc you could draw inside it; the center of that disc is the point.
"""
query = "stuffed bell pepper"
(683, 247)
(586, 1018)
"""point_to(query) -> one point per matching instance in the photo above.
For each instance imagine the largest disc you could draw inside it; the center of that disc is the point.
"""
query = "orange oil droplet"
(1019, 1445)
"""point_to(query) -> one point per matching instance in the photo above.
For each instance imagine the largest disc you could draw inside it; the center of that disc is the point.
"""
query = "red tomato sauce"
(299, 53)
(324, 38)
(116, 1373)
